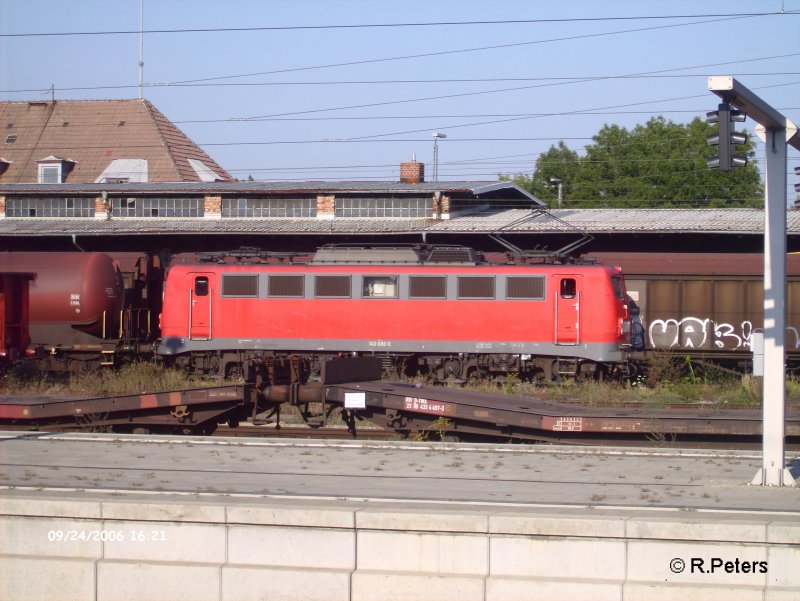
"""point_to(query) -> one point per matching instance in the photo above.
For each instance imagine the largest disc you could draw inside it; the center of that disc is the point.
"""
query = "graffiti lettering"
(689, 332)
(699, 333)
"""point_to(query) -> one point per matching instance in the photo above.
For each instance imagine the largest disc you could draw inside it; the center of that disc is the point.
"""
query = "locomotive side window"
(421, 286)
(286, 285)
(525, 287)
(475, 287)
(379, 286)
(568, 288)
(332, 286)
(201, 286)
(240, 285)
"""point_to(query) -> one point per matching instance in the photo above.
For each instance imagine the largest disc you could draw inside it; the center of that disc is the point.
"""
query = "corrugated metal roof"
(476, 188)
(604, 221)
(593, 221)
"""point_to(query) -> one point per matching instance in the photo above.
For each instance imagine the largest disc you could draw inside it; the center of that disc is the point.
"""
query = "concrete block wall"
(226, 550)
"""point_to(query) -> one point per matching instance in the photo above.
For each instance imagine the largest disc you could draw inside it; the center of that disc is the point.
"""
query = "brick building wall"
(326, 207)
(213, 207)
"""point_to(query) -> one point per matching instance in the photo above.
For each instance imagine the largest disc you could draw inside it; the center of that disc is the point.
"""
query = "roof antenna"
(141, 49)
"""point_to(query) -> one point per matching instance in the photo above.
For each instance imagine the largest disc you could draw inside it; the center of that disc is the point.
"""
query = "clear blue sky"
(352, 103)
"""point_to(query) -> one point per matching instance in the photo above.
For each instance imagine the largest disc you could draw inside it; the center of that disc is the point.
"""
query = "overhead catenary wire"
(379, 82)
(458, 125)
(447, 52)
(347, 26)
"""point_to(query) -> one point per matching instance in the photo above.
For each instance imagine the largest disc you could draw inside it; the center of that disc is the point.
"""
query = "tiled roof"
(93, 133)
(593, 221)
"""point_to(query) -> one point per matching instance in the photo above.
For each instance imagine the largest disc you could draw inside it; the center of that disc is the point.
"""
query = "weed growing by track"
(668, 380)
(135, 378)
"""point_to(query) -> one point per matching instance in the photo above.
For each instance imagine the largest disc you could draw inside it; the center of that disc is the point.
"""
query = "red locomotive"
(441, 311)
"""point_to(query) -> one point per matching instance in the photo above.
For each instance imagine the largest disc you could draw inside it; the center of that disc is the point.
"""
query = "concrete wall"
(195, 549)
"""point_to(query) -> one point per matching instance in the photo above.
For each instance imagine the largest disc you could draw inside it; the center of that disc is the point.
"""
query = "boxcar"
(705, 304)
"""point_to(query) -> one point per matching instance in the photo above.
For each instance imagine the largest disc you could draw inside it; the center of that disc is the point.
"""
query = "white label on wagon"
(355, 400)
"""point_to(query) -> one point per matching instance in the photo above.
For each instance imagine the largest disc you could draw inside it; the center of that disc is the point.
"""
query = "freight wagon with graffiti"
(704, 305)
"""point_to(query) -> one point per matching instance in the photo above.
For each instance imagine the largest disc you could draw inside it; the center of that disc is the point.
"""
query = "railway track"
(329, 433)
(341, 433)
(748, 443)
(387, 410)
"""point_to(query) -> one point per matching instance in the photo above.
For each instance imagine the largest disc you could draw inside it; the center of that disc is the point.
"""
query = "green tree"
(659, 164)
(559, 162)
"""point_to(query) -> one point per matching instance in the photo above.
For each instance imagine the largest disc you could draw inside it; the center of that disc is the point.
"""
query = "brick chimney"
(412, 173)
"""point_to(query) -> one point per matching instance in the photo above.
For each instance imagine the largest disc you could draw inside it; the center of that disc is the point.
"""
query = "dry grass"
(135, 378)
(665, 382)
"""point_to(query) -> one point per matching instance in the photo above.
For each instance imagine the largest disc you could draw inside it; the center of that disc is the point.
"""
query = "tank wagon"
(443, 312)
(84, 310)
(705, 305)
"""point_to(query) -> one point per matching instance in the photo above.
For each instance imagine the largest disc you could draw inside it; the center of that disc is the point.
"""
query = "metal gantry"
(776, 131)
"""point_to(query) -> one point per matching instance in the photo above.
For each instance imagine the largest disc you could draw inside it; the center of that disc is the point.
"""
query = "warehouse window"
(332, 286)
(286, 285)
(269, 207)
(240, 285)
(423, 286)
(525, 287)
(475, 287)
(157, 207)
(379, 286)
(365, 206)
(49, 207)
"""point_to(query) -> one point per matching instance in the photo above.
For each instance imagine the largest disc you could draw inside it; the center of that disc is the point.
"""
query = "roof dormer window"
(49, 174)
(54, 170)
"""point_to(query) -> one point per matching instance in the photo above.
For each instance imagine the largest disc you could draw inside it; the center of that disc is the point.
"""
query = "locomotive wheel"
(476, 374)
(234, 371)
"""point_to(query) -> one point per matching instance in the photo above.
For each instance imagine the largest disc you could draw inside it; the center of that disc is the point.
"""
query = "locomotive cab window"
(568, 288)
(201, 286)
(379, 286)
